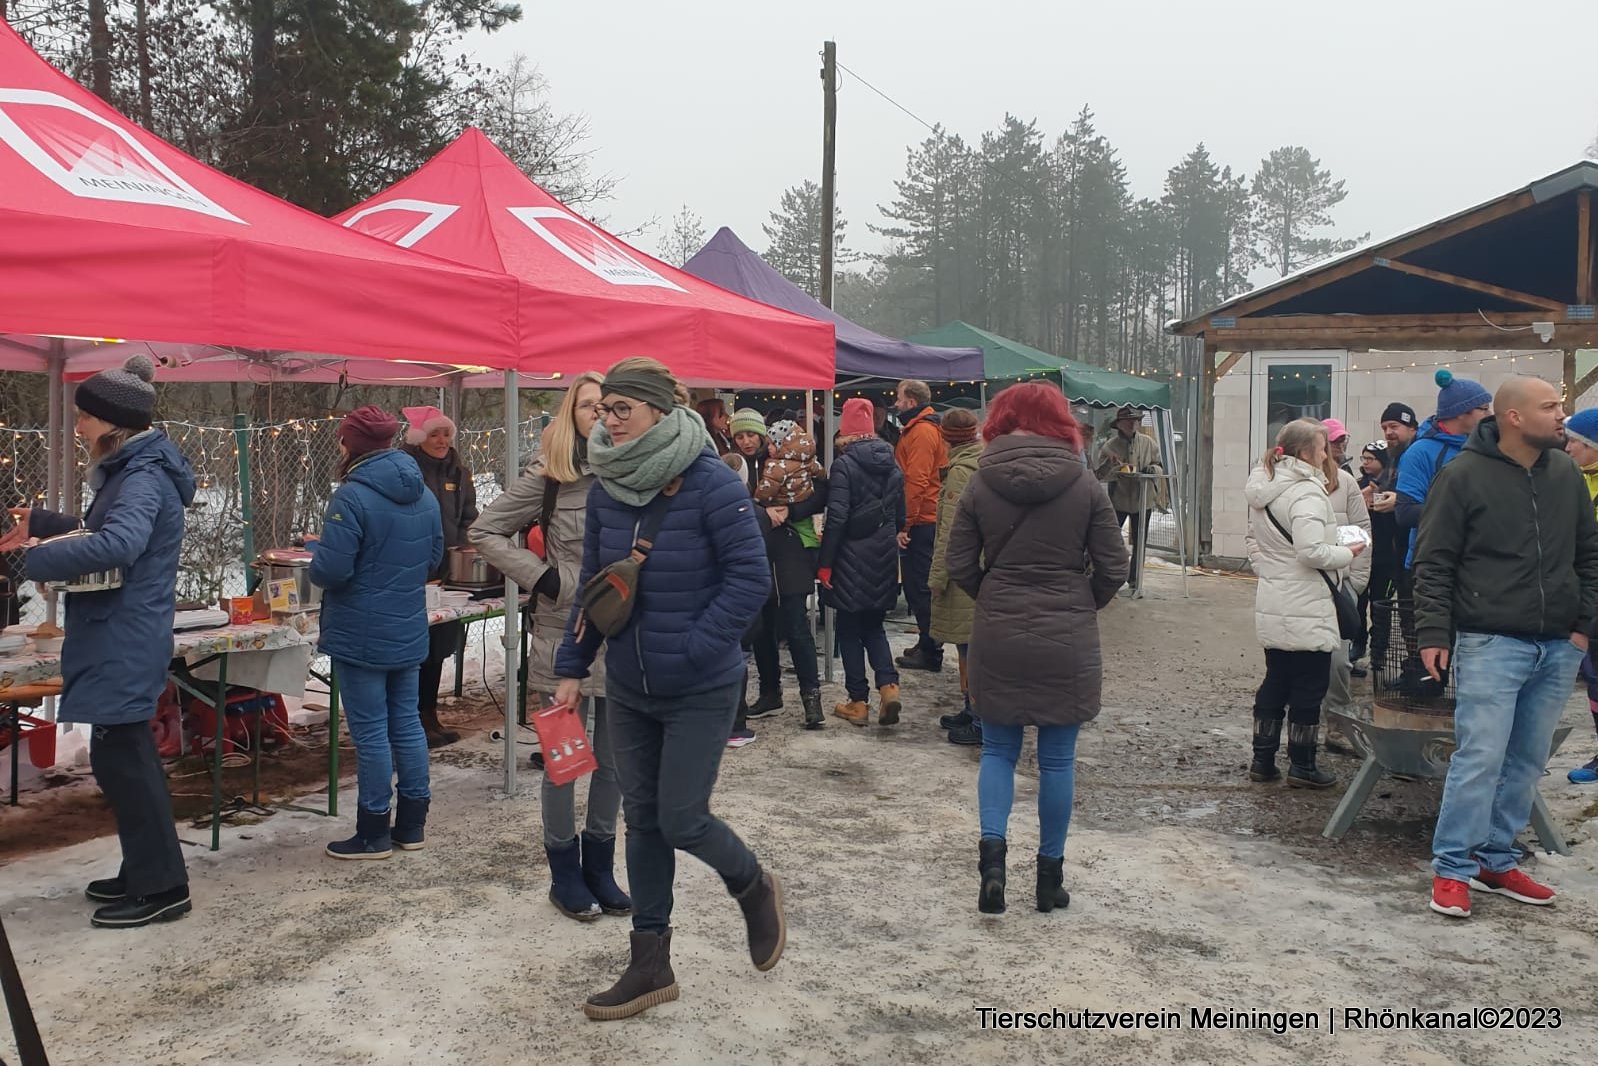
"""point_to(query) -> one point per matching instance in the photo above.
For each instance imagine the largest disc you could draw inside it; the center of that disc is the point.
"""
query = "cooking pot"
(98, 581)
(463, 566)
(291, 564)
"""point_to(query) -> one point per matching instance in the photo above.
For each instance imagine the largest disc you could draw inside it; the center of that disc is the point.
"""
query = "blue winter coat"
(381, 538)
(1428, 453)
(701, 587)
(119, 642)
(865, 571)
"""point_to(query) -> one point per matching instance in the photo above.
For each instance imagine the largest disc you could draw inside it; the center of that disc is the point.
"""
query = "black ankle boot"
(135, 911)
(1302, 773)
(1267, 738)
(990, 864)
(768, 929)
(770, 702)
(813, 716)
(647, 981)
(1051, 885)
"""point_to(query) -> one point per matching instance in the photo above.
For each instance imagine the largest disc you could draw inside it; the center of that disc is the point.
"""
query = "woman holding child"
(790, 489)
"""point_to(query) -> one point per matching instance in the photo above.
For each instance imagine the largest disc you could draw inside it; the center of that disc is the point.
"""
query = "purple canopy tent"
(730, 263)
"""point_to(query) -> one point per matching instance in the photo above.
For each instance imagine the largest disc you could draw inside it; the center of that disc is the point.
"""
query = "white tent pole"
(512, 612)
(57, 436)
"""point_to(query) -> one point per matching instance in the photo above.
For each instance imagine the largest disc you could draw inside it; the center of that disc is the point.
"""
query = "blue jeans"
(1508, 696)
(667, 751)
(1001, 747)
(380, 710)
(861, 636)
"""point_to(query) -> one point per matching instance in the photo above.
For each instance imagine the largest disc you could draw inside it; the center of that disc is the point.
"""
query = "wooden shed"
(1501, 288)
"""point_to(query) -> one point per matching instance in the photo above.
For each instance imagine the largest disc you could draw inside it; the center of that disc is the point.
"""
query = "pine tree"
(684, 236)
(795, 235)
(934, 242)
(1293, 198)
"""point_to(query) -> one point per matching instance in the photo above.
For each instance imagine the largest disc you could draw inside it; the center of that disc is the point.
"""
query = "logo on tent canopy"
(402, 222)
(92, 157)
(590, 249)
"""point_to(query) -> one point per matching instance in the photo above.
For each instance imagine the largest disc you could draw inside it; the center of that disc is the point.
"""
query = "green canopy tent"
(1006, 360)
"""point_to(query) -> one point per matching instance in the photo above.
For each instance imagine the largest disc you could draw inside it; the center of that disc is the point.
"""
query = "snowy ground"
(1191, 889)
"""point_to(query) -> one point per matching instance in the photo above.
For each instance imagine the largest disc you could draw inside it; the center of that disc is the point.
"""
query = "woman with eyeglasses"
(674, 670)
(581, 869)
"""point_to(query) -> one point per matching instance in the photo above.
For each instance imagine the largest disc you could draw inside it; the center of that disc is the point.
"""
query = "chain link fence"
(291, 469)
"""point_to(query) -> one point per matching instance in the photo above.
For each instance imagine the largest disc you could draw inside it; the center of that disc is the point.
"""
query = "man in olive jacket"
(1506, 570)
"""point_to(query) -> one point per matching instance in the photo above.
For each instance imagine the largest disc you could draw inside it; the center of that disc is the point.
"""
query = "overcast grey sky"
(1423, 106)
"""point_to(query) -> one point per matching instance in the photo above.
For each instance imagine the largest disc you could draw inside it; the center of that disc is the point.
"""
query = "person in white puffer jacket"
(1293, 610)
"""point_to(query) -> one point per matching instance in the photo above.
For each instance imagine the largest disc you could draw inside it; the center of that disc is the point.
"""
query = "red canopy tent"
(586, 298)
(111, 232)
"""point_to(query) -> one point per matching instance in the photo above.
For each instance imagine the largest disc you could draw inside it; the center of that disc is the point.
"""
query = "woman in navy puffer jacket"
(381, 538)
(860, 561)
(674, 672)
(119, 641)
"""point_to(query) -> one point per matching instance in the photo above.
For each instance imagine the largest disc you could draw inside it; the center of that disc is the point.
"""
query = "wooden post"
(1570, 379)
(829, 147)
(1204, 491)
(1583, 248)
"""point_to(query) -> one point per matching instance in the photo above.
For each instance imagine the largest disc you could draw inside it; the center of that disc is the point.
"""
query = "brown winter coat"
(1057, 560)
(952, 609)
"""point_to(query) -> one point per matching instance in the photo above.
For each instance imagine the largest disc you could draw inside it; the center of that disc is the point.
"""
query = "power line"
(888, 98)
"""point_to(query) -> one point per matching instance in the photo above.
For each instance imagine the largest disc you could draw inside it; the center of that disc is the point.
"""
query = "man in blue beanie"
(1461, 404)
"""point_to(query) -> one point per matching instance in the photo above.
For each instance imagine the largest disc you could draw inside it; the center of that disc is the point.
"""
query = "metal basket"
(1403, 693)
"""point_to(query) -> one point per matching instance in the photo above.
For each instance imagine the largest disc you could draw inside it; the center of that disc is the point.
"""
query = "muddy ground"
(1190, 888)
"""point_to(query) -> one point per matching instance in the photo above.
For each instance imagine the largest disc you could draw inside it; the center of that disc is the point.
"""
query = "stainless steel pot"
(463, 566)
(291, 564)
(98, 581)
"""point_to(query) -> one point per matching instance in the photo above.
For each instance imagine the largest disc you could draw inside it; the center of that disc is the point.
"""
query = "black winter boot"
(135, 911)
(371, 839)
(567, 889)
(770, 702)
(954, 721)
(1051, 885)
(599, 874)
(410, 824)
(1267, 738)
(813, 716)
(968, 735)
(990, 864)
(768, 929)
(1302, 772)
(647, 981)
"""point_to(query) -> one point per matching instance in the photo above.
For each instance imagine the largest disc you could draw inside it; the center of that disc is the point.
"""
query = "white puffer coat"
(1292, 606)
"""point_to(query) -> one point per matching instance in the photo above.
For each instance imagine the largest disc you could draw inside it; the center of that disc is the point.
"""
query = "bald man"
(1506, 585)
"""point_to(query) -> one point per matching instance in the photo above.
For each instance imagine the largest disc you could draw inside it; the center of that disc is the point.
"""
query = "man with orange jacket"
(922, 455)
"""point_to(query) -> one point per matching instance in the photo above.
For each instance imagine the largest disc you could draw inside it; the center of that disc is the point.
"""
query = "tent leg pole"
(512, 642)
(829, 423)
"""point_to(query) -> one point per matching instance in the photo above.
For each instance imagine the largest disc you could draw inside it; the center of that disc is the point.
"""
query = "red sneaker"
(1514, 884)
(1450, 897)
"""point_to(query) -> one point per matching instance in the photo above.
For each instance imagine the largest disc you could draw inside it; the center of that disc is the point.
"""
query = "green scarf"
(635, 471)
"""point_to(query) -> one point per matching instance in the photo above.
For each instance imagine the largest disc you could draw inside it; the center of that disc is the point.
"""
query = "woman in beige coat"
(952, 609)
(583, 885)
(1292, 540)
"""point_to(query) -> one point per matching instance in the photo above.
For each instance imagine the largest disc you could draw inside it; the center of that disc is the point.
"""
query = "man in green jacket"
(1506, 570)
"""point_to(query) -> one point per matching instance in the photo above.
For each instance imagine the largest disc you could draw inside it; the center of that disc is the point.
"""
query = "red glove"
(824, 575)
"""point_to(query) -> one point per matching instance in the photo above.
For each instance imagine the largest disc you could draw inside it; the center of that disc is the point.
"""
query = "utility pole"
(829, 154)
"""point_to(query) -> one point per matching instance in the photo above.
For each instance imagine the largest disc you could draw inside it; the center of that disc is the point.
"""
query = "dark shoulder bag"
(1343, 598)
(609, 595)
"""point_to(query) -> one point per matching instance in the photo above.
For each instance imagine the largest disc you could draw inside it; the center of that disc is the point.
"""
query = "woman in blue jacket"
(381, 538)
(119, 641)
(673, 674)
